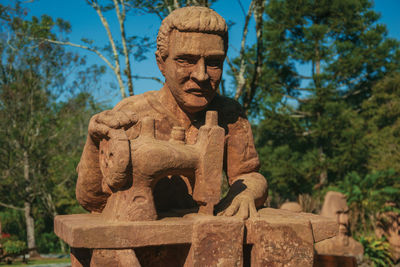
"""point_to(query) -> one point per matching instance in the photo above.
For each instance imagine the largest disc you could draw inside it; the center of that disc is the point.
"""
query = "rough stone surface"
(280, 239)
(292, 206)
(274, 238)
(340, 247)
(216, 242)
(92, 231)
(322, 227)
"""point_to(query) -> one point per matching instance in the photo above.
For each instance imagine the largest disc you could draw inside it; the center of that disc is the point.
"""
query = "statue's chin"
(195, 104)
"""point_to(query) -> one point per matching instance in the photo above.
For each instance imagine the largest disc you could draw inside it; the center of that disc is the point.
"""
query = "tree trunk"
(30, 222)
(30, 229)
(323, 176)
(258, 16)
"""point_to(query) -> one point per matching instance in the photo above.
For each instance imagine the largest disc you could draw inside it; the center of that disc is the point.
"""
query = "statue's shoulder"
(326, 246)
(229, 110)
(137, 103)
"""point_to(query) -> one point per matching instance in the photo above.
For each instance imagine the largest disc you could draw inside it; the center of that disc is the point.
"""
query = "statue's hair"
(191, 19)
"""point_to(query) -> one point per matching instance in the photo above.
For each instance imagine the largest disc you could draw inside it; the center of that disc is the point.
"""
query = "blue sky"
(85, 23)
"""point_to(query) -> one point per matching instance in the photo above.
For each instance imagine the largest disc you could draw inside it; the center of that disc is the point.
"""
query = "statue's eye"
(214, 62)
(186, 61)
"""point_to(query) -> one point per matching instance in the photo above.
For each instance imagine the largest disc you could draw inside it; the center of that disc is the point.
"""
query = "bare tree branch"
(307, 133)
(148, 78)
(241, 7)
(242, 66)
(304, 89)
(121, 20)
(84, 47)
(10, 206)
(233, 69)
(258, 15)
(103, 20)
(296, 98)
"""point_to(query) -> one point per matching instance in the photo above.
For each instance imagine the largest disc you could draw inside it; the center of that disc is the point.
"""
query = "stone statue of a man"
(191, 47)
(335, 207)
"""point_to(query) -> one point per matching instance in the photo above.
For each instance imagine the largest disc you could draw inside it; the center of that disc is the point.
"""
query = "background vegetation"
(320, 82)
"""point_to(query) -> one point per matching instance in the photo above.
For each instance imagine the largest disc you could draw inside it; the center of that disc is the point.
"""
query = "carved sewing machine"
(131, 168)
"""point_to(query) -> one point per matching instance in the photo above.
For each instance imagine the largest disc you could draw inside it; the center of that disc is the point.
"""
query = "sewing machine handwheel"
(114, 159)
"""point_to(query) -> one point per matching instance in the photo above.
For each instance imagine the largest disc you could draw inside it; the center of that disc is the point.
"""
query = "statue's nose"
(199, 72)
(343, 218)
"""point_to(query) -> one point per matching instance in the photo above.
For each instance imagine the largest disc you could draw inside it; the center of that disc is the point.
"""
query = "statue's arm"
(248, 187)
(89, 191)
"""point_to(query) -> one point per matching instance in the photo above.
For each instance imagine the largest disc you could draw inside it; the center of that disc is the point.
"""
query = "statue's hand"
(106, 130)
(101, 124)
(242, 206)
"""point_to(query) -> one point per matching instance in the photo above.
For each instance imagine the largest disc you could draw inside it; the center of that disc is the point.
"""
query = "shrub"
(14, 246)
(377, 251)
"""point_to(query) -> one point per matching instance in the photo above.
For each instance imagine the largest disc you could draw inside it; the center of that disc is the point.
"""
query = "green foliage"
(12, 222)
(43, 122)
(48, 243)
(382, 114)
(320, 86)
(377, 251)
(367, 195)
(12, 245)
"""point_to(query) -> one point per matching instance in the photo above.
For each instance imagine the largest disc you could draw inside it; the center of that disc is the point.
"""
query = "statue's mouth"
(343, 228)
(197, 92)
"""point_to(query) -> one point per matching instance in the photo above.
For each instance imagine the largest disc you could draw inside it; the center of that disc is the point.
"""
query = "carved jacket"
(240, 156)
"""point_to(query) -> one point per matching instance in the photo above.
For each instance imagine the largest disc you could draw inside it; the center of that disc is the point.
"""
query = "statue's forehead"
(196, 43)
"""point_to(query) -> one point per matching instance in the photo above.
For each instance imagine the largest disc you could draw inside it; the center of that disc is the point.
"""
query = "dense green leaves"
(42, 122)
(322, 61)
(377, 251)
(367, 195)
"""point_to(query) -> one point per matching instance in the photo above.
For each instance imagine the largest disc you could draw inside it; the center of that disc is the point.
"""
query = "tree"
(382, 114)
(322, 59)
(32, 76)
(240, 65)
(121, 47)
(367, 196)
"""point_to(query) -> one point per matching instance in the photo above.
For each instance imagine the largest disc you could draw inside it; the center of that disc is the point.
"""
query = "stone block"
(280, 239)
(216, 241)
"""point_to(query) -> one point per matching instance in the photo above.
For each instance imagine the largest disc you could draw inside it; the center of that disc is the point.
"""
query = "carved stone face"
(193, 68)
(343, 220)
(335, 207)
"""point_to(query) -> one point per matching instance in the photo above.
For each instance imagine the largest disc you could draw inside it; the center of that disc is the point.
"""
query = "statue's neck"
(169, 102)
(344, 239)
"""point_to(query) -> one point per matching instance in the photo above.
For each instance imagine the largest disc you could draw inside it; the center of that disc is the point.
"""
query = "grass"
(19, 263)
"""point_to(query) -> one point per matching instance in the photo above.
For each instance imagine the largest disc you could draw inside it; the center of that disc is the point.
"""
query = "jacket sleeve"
(89, 191)
(241, 155)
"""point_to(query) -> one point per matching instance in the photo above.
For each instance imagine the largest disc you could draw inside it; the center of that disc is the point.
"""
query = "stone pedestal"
(275, 238)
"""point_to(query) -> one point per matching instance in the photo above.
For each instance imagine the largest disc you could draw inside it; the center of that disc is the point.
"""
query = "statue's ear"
(160, 62)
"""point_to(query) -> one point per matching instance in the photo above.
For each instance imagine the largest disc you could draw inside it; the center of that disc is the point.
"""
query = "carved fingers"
(242, 207)
(102, 123)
